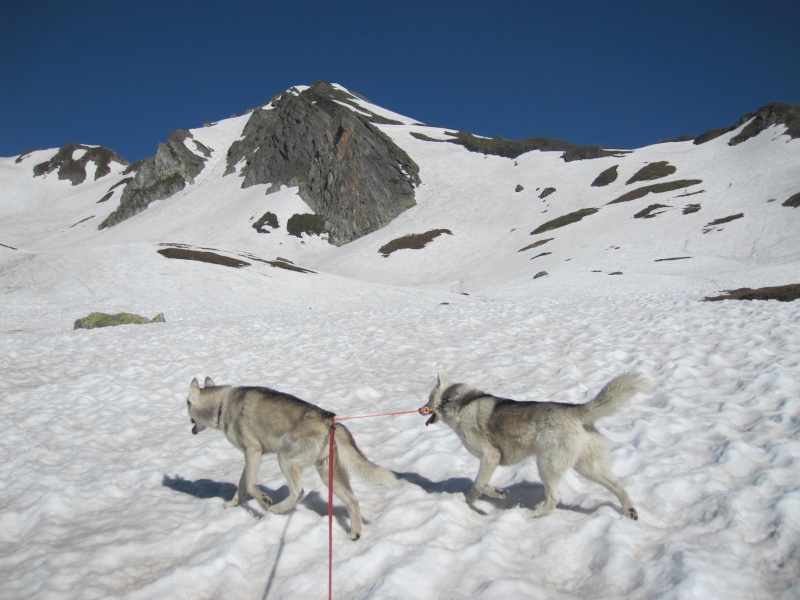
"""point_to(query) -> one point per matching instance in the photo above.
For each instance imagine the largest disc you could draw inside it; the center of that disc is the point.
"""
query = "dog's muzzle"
(429, 411)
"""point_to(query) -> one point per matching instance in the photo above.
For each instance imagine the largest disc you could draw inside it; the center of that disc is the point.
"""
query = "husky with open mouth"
(260, 421)
(504, 432)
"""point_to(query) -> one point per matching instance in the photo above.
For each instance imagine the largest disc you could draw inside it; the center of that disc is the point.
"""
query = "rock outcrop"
(320, 140)
(99, 319)
(73, 168)
(765, 117)
(159, 176)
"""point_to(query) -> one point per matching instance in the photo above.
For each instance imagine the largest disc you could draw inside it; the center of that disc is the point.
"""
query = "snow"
(105, 492)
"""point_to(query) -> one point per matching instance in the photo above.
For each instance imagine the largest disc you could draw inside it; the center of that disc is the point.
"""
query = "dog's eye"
(188, 403)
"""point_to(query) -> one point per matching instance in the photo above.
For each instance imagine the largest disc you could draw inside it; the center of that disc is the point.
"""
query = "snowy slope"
(105, 492)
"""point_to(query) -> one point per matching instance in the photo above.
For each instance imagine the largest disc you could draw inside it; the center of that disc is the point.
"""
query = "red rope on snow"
(404, 412)
(331, 450)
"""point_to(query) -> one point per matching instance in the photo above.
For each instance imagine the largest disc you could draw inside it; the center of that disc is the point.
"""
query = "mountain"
(325, 179)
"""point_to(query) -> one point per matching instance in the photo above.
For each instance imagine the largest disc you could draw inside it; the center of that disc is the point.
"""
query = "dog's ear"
(442, 380)
(194, 385)
(209, 382)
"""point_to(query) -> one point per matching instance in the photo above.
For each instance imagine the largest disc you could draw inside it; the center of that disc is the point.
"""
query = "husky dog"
(504, 432)
(259, 420)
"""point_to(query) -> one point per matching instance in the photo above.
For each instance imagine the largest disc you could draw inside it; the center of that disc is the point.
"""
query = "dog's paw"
(266, 502)
(232, 503)
(355, 536)
(498, 493)
(632, 514)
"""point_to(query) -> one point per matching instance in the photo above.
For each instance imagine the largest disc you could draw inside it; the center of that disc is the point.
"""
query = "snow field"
(107, 493)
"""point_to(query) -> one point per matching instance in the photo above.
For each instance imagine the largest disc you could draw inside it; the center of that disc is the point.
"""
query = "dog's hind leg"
(594, 464)
(343, 491)
(558, 452)
(550, 477)
(489, 462)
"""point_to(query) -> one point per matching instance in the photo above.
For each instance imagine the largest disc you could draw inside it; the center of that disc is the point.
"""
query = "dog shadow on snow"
(523, 494)
(205, 489)
(518, 495)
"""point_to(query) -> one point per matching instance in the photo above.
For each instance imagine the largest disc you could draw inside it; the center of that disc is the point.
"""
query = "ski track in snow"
(105, 492)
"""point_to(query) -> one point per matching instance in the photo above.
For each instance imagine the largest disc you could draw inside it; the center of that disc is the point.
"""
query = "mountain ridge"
(655, 204)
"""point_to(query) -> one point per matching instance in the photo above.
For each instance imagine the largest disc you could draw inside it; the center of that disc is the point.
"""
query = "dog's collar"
(219, 414)
(446, 400)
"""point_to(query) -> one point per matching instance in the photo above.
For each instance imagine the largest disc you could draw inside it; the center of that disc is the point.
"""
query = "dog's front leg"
(239, 496)
(249, 480)
(489, 462)
(252, 462)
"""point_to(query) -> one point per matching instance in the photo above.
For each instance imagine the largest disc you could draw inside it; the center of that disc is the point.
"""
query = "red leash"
(330, 511)
(331, 450)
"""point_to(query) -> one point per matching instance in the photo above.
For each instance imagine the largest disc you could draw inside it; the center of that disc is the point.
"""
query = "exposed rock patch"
(203, 256)
(656, 188)
(649, 212)
(782, 293)
(268, 219)
(308, 224)
(413, 241)
(766, 117)
(158, 177)
(212, 256)
(711, 226)
(573, 217)
(348, 171)
(498, 146)
(606, 177)
(655, 170)
(691, 208)
(792, 201)
(535, 244)
(75, 169)
(100, 319)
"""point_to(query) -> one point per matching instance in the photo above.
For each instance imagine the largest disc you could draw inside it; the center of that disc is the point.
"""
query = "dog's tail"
(612, 397)
(355, 463)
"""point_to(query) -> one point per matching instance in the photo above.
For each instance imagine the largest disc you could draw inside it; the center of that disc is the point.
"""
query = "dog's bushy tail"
(355, 463)
(612, 397)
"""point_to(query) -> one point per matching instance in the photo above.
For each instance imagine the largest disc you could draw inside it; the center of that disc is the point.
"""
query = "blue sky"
(616, 74)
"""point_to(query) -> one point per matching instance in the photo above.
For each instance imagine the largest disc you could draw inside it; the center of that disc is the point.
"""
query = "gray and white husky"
(504, 432)
(258, 420)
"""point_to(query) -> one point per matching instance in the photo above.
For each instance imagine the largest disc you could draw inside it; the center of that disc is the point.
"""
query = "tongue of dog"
(194, 429)
(427, 411)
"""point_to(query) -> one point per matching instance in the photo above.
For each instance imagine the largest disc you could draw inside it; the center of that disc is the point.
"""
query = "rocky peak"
(159, 176)
(324, 142)
(73, 168)
(767, 116)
